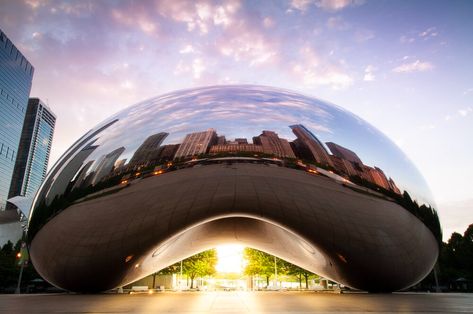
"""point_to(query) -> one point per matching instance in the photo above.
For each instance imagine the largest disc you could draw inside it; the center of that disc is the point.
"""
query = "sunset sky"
(404, 66)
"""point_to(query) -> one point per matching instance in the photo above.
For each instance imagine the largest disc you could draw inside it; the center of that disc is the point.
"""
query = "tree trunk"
(267, 281)
(306, 281)
(192, 282)
(300, 281)
(154, 281)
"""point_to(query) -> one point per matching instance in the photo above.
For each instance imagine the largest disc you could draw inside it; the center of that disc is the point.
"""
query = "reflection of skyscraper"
(393, 186)
(344, 153)
(167, 152)
(33, 152)
(221, 140)
(311, 143)
(16, 74)
(379, 178)
(148, 150)
(80, 178)
(61, 182)
(232, 148)
(196, 143)
(106, 164)
(274, 145)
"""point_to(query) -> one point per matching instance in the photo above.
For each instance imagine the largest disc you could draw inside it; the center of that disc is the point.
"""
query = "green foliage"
(455, 261)
(199, 265)
(262, 264)
(258, 263)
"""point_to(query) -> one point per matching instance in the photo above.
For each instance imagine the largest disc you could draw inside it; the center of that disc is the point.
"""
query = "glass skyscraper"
(16, 74)
(33, 152)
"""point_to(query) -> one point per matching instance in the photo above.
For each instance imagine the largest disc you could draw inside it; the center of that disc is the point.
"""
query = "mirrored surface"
(185, 161)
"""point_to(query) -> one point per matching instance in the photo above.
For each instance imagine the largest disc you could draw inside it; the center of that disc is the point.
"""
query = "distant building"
(148, 150)
(16, 74)
(34, 149)
(274, 145)
(231, 148)
(196, 143)
(309, 142)
(344, 153)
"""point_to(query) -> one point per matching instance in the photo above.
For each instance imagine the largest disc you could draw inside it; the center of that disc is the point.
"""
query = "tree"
(298, 272)
(259, 263)
(200, 265)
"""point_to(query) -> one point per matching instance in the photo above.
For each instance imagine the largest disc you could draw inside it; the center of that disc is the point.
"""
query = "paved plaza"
(238, 302)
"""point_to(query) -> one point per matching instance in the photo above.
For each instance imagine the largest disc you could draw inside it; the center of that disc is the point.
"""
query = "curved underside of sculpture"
(364, 241)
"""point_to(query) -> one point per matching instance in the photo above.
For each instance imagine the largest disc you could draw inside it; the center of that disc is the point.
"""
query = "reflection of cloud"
(416, 66)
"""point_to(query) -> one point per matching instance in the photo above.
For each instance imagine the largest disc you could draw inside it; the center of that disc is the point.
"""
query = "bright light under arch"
(230, 258)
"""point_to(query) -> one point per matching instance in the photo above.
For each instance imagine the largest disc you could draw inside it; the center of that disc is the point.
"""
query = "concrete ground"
(238, 302)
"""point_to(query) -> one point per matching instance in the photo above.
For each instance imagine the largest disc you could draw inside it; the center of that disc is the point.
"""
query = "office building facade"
(34, 149)
(16, 74)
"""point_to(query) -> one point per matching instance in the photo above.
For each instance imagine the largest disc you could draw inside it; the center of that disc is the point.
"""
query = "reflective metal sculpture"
(268, 168)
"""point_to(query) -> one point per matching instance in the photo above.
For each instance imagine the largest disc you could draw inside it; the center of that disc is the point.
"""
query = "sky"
(403, 66)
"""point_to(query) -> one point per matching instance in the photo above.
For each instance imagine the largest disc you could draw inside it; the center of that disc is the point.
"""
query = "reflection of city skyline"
(306, 147)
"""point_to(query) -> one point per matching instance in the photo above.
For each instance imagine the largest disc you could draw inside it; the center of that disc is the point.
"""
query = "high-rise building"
(344, 153)
(274, 145)
(312, 144)
(196, 143)
(33, 152)
(16, 74)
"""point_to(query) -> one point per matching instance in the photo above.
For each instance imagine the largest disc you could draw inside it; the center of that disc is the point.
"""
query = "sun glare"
(230, 258)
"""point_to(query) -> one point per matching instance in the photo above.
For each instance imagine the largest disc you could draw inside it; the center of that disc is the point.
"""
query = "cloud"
(243, 43)
(369, 75)
(469, 90)
(428, 33)
(406, 39)
(199, 15)
(466, 111)
(337, 22)
(313, 70)
(416, 66)
(363, 35)
(187, 49)
(268, 22)
(328, 5)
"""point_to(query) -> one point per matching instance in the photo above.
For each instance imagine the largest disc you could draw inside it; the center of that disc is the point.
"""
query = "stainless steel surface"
(272, 169)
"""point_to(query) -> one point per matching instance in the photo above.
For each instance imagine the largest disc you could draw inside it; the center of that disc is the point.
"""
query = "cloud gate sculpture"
(267, 168)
